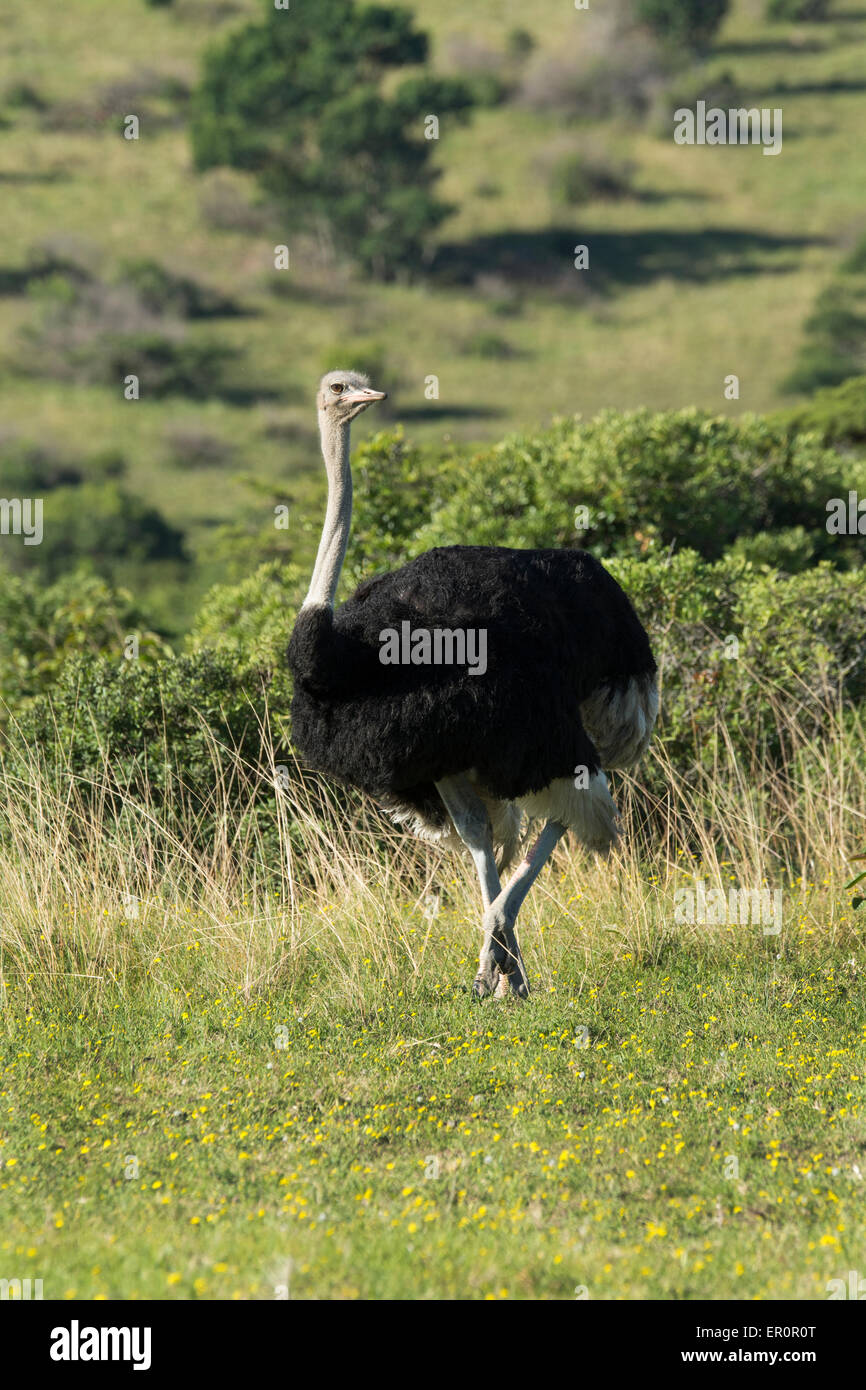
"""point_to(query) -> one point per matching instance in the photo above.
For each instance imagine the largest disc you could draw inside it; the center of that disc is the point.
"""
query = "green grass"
(703, 1138)
(271, 1070)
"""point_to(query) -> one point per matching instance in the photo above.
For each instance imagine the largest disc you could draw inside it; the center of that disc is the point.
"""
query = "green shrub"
(645, 479)
(837, 415)
(835, 332)
(101, 526)
(162, 292)
(693, 23)
(791, 549)
(167, 738)
(42, 627)
(395, 489)
(576, 178)
(783, 669)
(797, 10)
(251, 623)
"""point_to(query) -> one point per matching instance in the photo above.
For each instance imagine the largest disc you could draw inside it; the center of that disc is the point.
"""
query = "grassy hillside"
(710, 268)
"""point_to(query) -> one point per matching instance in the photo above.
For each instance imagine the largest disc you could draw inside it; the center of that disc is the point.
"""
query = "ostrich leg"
(472, 824)
(501, 915)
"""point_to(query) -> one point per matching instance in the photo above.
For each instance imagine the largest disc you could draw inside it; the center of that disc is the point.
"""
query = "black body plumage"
(559, 628)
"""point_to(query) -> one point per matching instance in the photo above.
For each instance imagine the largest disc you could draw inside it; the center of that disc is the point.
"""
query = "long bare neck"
(338, 517)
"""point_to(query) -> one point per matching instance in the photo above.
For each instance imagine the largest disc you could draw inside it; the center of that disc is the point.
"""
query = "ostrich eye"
(338, 387)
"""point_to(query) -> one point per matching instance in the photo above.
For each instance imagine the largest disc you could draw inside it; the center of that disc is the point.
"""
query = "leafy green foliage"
(44, 627)
(101, 526)
(791, 549)
(251, 623)
(303, 108)
(778, 671)
(157, 731)
(93, 525)
(644, 479)
(836, 414)
(395, 487)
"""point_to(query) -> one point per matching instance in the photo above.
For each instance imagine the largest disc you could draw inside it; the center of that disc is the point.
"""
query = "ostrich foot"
(500, 968)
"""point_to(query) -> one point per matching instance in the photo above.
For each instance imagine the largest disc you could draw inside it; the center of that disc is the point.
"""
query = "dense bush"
(645, 479)
(168, 737)
(837, 415)
(799, 644)
(250, 623)
(395, 488)
(100, 526)
(791, 549)
(42, 627)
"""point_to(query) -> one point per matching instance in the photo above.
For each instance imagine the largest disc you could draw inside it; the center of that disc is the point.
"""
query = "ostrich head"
(344, 395)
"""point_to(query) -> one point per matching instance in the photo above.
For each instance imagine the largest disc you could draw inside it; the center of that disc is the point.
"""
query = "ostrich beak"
(364, 395)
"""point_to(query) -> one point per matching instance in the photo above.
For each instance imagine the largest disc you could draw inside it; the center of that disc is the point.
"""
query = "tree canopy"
(303, 107)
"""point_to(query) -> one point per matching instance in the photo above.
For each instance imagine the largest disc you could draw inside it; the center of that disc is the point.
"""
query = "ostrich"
(457, 752)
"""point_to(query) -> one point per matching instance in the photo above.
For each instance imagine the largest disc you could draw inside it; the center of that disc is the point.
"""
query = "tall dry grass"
(104, 895)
